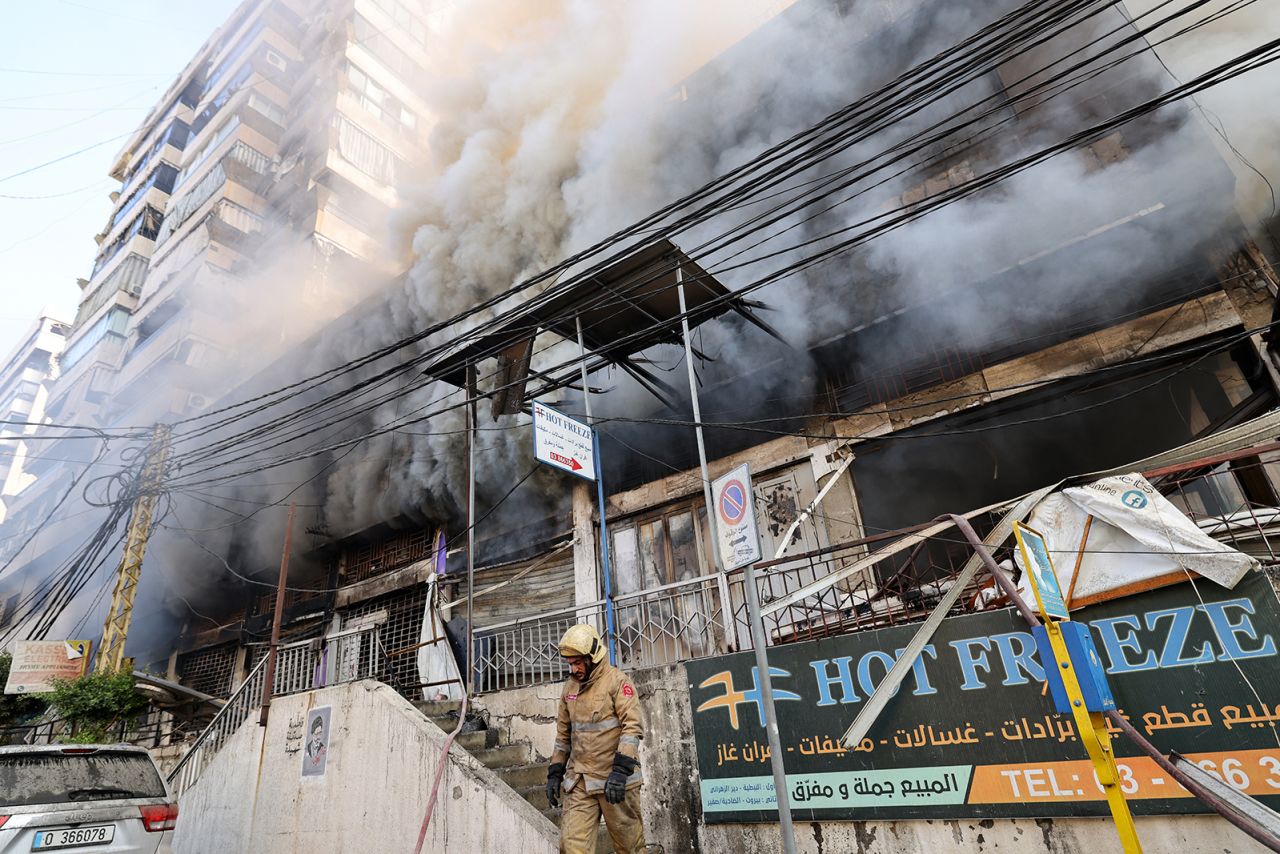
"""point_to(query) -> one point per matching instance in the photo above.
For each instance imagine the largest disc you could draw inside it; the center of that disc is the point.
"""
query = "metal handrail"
(225, 711)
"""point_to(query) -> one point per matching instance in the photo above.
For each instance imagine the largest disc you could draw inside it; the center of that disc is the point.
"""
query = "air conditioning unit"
(276, 60)
(197, 402)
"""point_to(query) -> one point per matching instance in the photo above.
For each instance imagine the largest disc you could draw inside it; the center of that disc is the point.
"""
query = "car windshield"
(28, 779)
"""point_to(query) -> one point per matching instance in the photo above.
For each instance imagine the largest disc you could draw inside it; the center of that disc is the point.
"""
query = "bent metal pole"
(753, 601)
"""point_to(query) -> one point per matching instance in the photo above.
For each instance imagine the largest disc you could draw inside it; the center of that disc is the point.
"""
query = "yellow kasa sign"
(38, 664)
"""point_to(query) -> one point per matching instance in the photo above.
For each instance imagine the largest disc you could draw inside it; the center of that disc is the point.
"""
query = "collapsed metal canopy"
(624, 309)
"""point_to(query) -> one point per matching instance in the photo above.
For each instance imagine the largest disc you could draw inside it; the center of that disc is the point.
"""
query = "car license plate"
(73, 837)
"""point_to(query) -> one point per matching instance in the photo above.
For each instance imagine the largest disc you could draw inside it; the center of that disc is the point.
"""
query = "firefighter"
(595, 763)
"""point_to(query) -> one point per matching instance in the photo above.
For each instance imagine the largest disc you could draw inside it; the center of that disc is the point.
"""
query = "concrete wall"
(673, 810)
(381, 760)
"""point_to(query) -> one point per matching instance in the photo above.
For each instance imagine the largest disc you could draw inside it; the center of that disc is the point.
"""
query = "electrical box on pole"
(116, 630)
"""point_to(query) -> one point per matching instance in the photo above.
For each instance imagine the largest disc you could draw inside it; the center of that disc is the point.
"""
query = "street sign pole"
(1088, 712)
(752, 595)
(737, 543)
(609, 632)
(606, 575)
(471, 530)
(770, 714)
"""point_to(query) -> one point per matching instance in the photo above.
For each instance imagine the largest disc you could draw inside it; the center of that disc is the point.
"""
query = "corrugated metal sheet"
(544, 589)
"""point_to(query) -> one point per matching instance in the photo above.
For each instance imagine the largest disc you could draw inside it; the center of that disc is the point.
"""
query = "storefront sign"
(971, 733)
(38, 664)
(562, 442)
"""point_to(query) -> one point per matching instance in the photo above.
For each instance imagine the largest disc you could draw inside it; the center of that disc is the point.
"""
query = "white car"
(95, 799)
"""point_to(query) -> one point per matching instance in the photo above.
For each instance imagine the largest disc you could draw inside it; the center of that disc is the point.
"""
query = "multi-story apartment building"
(25, 380)
(266, 173)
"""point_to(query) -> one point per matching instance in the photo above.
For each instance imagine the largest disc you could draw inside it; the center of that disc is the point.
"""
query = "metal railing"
(1234, 498)
(345, 656)
(658, 626)
(239, 706)
(687, 619)
(156, 730)
(899, 581)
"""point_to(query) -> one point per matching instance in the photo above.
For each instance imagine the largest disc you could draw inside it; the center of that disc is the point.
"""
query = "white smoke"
(558, 122)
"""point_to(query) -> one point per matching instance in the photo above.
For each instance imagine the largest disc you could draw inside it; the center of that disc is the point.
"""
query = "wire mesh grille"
(209, 670)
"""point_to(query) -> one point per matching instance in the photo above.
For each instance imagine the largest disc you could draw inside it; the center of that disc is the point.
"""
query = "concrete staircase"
(514, 762)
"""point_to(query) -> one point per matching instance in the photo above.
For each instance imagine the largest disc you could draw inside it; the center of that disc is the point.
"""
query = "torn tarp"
(1136, 540)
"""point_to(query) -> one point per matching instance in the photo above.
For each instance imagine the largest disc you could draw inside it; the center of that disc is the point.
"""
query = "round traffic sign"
(733, 502)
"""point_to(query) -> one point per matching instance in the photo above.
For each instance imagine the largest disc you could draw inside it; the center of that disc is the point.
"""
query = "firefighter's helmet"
(583, 640)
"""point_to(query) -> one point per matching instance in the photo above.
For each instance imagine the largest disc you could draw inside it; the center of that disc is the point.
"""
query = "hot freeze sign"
(970, 733)
(560, 441)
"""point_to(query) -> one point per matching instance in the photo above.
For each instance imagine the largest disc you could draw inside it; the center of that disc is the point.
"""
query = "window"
(267, 108)
(193, 165)
(405, 18)
(385, 50)
(378, 101)
(660, 548)
(162, 178)
(26, 390)
(192, 200)
(175, 134)
(146, 224)
(126, 277)
(113, 322)
(365, 153)
(207, 114)
(31, 778)
(242, 44)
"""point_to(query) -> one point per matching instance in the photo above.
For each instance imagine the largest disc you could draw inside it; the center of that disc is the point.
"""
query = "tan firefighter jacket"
(597, 718)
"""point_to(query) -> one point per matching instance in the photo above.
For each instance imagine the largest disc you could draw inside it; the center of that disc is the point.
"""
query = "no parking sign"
(735, 519)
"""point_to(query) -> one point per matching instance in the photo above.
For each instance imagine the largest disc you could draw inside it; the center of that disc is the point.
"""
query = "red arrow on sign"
(571, 462)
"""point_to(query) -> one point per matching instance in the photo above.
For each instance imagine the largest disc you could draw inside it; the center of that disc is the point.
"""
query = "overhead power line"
(400, 369)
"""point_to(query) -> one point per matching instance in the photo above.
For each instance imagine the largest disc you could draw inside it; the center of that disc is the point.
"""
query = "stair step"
(479, 740)
(445, 722)
(431, 708)
(536, 795)
(524, 776)
(505, 755)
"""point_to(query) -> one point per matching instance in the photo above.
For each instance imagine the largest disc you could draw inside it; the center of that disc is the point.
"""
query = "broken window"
(653, 550)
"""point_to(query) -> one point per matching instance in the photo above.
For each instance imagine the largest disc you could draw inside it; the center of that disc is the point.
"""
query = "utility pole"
(116, 630)
(269, 682)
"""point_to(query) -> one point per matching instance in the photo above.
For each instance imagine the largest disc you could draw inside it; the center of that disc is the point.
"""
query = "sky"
(73, 76)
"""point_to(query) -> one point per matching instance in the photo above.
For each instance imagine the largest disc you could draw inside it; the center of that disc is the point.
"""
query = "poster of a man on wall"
(316, 752)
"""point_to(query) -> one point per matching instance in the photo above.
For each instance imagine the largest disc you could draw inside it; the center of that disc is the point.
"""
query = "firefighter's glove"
(555, 776)
(615, 787)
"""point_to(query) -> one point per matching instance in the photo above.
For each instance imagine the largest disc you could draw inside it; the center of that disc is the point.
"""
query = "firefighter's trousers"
(580, 821)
